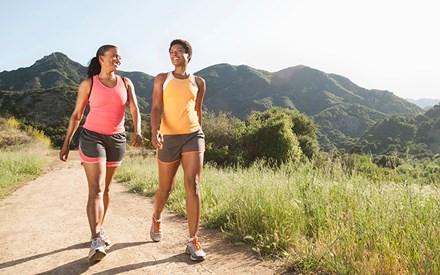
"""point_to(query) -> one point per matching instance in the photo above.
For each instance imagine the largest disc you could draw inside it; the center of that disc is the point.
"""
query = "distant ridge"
(342, 110)
(424, 103)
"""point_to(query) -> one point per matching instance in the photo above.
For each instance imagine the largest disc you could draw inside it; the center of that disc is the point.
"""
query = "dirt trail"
(44, 229)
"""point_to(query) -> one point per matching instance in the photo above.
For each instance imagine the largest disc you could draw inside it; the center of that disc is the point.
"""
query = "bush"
(224, 134)
(271, 138)
(280, 134)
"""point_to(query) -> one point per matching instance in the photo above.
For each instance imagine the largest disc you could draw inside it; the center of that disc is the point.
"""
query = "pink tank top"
(107, 106)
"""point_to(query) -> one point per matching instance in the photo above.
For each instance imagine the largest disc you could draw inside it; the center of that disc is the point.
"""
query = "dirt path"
(44, 229)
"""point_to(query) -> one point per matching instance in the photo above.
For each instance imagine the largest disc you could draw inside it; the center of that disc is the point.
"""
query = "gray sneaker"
(156, 230)
(104, 236)
(97, 250)
(194, 249)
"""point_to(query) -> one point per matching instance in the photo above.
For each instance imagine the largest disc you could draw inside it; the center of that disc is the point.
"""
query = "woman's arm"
(77, 114)
(136, 140)
(156, 110)
(199, 99)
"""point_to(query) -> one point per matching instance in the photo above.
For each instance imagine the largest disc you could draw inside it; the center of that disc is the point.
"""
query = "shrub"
(272, 139)
(224, 134)
(280, 134)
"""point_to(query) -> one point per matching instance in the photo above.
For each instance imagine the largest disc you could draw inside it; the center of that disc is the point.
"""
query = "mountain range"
(342, 110)
(425, 103)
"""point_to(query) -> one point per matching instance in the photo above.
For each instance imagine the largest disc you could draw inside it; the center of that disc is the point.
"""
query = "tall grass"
(317, 217)
(16, 167)
(22, 154)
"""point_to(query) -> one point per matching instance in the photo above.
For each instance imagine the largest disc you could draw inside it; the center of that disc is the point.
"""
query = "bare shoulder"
(200, 81)
(160, 78)
(127, 80)
(86, 84)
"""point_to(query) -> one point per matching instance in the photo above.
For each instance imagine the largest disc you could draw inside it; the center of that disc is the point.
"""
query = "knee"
(107, 190)
(97, 191)
(192, 186)
(165, 191)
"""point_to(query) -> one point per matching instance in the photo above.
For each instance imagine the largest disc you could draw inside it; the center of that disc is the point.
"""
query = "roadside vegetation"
(22, 154)
(330, 212)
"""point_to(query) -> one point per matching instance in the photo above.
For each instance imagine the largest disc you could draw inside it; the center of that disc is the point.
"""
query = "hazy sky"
(378, 44)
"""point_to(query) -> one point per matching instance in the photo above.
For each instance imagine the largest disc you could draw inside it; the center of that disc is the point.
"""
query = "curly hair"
(185, 44)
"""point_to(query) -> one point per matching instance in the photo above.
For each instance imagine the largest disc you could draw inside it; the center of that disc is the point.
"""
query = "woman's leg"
(192, 164)
(167, 179)
(95, 173)
(109, 174)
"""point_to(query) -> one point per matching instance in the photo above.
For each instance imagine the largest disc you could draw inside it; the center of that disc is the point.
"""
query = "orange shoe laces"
(196, 243)
(156, 224)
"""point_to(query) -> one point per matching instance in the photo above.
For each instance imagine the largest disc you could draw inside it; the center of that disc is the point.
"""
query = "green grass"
(22, 155)
(16, 167)
(316, 219)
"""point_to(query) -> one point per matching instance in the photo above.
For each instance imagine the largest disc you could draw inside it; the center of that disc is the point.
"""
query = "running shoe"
(194, 249)
(156, 230)
(104, 236)
(97, 250)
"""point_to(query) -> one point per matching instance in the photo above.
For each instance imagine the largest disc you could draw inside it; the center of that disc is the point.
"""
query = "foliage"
(22, 154)
(418, 137)
(336, 214)
(271, 139)
(43, 96)
(224, 134)
(279, 135)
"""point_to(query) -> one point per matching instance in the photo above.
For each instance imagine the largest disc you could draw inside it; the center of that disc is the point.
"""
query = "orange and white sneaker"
(156, 230)
(194, 249)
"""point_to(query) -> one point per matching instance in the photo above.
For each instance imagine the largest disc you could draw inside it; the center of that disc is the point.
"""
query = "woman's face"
(111, 59)
(178, 55)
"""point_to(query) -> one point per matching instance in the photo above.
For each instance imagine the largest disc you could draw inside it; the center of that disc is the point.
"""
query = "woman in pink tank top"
(102, 140)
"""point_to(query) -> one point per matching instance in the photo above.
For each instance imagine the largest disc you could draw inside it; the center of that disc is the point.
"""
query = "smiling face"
(178, 55)
(111, 60)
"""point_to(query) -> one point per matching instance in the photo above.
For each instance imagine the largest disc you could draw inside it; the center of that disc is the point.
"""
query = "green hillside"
(43, 96)
(418, 136)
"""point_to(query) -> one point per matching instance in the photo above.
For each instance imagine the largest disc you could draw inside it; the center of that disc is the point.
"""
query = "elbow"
(76, 117)
(156, 110)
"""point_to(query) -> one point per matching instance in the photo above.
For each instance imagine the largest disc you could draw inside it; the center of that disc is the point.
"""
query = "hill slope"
(341, 108)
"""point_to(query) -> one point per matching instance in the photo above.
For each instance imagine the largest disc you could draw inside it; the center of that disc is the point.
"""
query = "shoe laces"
(96, 242)
(196, 243)
(103, 234)
(156, 224)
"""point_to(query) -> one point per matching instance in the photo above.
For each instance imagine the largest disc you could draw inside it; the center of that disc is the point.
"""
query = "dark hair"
(184, 44)
(94, 66)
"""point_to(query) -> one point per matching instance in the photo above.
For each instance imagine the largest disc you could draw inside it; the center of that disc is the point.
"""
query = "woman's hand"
(64, 153)
(136, 140)
(157, 140)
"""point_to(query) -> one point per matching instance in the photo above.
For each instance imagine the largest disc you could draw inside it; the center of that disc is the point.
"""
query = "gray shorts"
(176, 145)
(96, 147)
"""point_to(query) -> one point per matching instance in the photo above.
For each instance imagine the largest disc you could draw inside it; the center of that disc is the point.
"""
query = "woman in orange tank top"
(176, 126)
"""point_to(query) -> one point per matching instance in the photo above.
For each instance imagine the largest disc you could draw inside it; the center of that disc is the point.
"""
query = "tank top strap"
(170, 77)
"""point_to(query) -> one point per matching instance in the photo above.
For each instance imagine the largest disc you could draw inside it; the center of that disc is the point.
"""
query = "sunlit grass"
(317, 219)
(17, 167)
(22, 155)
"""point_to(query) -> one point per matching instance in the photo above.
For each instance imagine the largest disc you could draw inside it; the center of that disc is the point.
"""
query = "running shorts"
(176, 145)
(95, 147)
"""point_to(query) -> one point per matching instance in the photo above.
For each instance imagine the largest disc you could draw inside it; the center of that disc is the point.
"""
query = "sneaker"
(194, 249)
(97, 250)
(104, 236)
(156, 230)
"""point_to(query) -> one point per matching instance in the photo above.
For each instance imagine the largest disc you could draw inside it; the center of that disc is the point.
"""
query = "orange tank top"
(107, 107)
(179, 115)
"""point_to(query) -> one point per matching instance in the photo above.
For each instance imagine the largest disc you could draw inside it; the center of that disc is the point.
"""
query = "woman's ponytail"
(94, 65)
